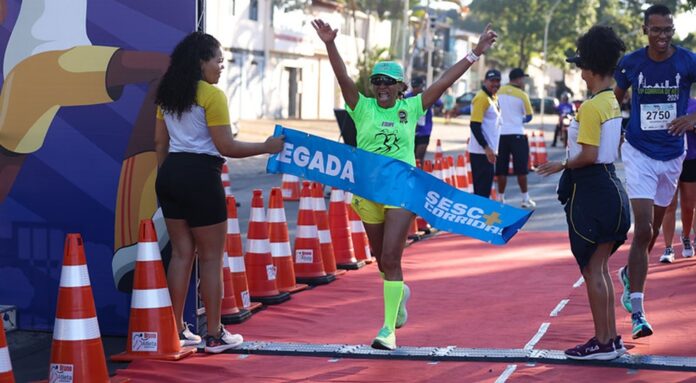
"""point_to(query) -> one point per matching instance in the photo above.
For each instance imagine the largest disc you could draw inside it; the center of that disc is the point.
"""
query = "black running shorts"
(517, 146)
(189, 187)
(688, 173)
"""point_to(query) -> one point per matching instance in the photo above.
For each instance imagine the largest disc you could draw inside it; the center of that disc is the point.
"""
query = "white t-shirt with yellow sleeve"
(190, 134)
(598, 123)
(484, 109)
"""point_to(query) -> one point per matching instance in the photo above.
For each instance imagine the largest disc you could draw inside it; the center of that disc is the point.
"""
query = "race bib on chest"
(657, 116)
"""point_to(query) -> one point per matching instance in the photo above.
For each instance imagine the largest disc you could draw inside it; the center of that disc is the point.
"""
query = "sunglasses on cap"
(382, 80)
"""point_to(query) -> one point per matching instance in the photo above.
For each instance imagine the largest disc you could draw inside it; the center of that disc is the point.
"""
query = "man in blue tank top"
(660, 76)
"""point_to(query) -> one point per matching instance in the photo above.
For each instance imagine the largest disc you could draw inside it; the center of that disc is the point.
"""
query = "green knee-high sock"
(393, 290)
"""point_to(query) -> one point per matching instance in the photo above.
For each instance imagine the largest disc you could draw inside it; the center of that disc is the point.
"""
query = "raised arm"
(433, 92)
(328, 36)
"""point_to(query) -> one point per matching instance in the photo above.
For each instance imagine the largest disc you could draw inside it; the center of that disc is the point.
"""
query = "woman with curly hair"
(596, 203)
(192, 135)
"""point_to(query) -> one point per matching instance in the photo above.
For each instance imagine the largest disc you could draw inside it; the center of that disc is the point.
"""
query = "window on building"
(233, 7)
(254, 10)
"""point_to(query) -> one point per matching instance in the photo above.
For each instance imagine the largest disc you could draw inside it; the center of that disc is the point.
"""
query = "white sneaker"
(187, 338)
(225, 341)
(687, 249)
(667, 256)
(528, 204)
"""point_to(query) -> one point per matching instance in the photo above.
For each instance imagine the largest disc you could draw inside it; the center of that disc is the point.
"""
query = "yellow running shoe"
(385, 340)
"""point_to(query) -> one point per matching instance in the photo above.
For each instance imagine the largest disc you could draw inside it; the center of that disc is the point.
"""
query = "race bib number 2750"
(657, 116)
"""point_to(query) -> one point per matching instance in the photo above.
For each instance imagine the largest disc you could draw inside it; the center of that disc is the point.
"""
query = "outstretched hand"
(274, 144)
(486, 40)
(324, 30)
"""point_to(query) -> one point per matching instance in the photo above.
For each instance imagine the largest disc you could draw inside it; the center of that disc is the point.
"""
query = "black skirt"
(597, 209)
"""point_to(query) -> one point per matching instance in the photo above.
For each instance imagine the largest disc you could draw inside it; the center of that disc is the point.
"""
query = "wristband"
(471, 57)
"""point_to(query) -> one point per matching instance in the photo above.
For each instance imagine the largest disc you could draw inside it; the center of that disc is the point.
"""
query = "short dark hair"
(657, 9)
(600, 49)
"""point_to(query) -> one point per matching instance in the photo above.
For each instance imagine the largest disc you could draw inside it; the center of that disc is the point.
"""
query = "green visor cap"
(388, 68)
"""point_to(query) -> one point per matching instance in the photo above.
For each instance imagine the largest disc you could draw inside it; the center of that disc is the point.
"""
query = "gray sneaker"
(687, 249)
(402, 315)
(667, 256)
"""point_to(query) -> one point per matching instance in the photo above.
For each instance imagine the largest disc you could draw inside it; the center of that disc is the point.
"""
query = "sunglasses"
(382, 80)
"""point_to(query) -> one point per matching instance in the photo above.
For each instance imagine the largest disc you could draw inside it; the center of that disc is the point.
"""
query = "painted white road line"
(542, 330)
(506, 374)
(559, 307)
(579, 283)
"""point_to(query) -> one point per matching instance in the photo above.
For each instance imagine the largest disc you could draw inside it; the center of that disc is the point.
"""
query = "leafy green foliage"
(365, 65)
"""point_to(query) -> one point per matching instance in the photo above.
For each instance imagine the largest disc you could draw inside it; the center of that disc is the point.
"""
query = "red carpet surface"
(464, 293)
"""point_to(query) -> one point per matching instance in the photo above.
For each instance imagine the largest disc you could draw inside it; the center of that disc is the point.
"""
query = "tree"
(521, 26)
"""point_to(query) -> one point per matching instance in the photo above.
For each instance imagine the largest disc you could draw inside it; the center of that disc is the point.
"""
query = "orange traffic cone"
(225, 178)
(77, 354)
(452, 175)
(532, 151)
(423, 225)
(460, 172)
(511, 167)
(322, 219)
(258, 259)
(6, 375)
(152, 331)
(428, 166)
(357, 233)
(541, 148)
(438, 150)
(230, 312)
(340, 233)
(280, 244)
(419, 165)
(469, 174)
(437, 170)
(309, 263)
(235, 259)
(291, 187)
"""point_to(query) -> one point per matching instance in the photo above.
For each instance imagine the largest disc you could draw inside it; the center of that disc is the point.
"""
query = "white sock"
(501, 197)
(525, 196)
(636, 302)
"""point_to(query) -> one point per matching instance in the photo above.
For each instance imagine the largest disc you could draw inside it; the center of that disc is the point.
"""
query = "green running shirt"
(388, 131)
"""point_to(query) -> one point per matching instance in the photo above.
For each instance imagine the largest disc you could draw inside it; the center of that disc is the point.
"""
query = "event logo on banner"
(392, 182)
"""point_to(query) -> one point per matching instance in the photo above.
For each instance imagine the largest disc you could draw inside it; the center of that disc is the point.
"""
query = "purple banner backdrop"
(76, 151)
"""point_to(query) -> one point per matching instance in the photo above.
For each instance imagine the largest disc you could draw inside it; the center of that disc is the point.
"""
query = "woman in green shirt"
(386, 125)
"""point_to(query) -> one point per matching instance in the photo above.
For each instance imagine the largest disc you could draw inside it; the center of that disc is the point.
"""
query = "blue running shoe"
(641, 327)
(402, 315)
(593, 350)
(626, 295)
(385, 340)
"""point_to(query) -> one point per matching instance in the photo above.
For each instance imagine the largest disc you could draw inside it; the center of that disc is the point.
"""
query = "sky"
(685, 23)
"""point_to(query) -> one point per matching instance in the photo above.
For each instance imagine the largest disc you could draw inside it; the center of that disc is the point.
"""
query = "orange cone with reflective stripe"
(291, 187)
(6, 375)
(541, 149)
(230, 312)
(428, 166)
(357, 233)
(469, 174)
(152, 330)
(438, 150)
(261, 271)
(511, 166)
(225, 178)
(309, 263)
(322, 220)
(77, 354)
(451, 172)
(340, 233)
(532, 151)
(460, 172)
(280, 244)
(437, 170)
(235, 259)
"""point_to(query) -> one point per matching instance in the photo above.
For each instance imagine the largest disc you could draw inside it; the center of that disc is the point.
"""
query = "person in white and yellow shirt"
(516, 110)
(485, 132)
